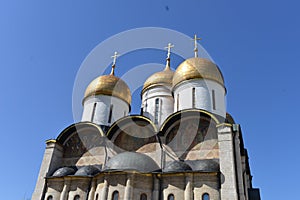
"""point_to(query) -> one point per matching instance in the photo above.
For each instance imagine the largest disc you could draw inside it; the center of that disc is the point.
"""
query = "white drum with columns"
(106, 99)
(157, 99)
(198, 83)
(104, 109)
(157, 104)
(201, 94)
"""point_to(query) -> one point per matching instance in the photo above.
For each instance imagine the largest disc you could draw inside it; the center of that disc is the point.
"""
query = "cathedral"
(182, 146)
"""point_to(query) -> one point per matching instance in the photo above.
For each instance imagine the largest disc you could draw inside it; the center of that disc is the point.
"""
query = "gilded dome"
(164, 77)
(197, 68)
(109, 85)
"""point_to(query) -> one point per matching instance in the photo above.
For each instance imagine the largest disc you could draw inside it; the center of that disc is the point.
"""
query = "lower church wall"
(131, 185)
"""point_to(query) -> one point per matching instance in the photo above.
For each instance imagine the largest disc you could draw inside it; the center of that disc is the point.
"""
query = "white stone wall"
(79, 186)
(101, 114)
(185, 186)
(166, 103)
(206, 184)
(52, 159)
(229, 190)
(203, 96)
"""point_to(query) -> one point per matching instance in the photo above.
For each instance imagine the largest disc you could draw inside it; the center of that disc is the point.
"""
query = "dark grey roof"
(209, 165)
(132, 161)
(177, 166)
(64, 171)
(87, 171)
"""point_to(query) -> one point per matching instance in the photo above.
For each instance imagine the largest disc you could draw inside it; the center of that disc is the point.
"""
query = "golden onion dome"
(164, 77)
(197, 68)
(109, 85)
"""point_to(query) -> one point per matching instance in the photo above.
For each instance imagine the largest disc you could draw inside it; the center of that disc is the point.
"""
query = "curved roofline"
(122, 120)
(162, 127)
(229, 118)
(62, 136)
(110, 88)
(213, 78)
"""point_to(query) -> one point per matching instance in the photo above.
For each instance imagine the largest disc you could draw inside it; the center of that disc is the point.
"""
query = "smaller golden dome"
(197, 68)
(109, 85)
(164, 77)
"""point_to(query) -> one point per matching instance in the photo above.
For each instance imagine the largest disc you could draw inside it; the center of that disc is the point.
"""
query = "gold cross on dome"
(196, 45)
(170, 45)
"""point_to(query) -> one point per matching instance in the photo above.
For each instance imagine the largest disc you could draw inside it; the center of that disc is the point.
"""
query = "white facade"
(201, 94)
(157, 103)
(104, 109)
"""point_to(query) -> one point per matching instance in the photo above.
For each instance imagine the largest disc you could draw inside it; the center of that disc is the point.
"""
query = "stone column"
(65, 191)
(239, 164)
(104, 192)
(128, 188)
(93, 190)
(155, 190)
(188, 192)
(227, 162)
(51, 161)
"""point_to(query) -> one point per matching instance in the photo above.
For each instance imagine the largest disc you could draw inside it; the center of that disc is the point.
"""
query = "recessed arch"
(205, 196)
(115, 195)
(78, 127)
(183, 113)
(132, 132)
(187, 131)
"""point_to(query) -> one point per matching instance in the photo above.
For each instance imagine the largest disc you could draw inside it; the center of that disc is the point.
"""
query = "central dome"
(109, 85)
(197, 68)
(164, 77)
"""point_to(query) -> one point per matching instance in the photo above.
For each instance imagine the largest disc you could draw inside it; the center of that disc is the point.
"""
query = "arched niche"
(191, 134)
(133, 133)
(84, 143)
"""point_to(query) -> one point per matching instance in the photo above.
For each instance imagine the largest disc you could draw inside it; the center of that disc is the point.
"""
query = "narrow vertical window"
(143, 196)
(213, 99)
(115, 195)
(146, 106)
(193, 98)
(156, 110)
(97, 195)
(142, 111)
(171, 197)
(110, 113)
(177, 106)
(50, 197)
(93, 112)
(77, 197)
(205, 196)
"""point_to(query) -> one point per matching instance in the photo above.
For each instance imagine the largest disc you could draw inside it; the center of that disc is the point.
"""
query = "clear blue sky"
(255, 43)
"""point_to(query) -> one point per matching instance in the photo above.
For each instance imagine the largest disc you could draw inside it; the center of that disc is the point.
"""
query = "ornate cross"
(196, 45)
(115, 56)
(169, 50)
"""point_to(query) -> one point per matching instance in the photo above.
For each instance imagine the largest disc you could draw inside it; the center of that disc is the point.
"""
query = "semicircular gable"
(132, 133)
(186, 131)
(184, 113)
(83, 143)
(82, 127)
